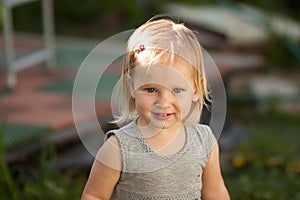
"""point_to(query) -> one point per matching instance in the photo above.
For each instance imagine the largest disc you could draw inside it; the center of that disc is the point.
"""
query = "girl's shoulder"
(128, 129)
(202, 134)
(202, 129)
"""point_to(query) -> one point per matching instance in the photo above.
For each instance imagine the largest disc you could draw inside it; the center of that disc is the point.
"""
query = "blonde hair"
(164, 40)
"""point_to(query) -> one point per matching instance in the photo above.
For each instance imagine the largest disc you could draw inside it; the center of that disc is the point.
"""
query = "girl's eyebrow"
(149, 84)
(154, 85)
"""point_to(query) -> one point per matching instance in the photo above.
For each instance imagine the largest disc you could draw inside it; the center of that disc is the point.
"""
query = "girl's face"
(163, 94)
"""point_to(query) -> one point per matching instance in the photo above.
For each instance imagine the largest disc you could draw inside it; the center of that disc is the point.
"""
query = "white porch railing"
(13, 64)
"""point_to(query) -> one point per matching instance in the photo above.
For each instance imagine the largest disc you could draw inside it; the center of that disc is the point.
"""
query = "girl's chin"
(158, 121)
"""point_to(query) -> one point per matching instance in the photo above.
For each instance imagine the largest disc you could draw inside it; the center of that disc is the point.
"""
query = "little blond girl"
(162, 152)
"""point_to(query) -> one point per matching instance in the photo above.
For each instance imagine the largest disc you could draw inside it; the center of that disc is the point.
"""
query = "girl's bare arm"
(105, 172)
(213, 187)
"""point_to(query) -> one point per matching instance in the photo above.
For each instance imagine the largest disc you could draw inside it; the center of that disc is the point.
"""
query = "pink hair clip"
(140, 49)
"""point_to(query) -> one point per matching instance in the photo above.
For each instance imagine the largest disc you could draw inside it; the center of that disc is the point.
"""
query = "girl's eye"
(177, 90)
(150, 90)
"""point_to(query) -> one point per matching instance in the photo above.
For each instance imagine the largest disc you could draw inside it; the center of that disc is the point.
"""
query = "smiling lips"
(162, 116)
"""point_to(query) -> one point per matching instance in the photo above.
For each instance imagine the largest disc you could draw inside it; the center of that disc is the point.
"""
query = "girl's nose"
(164, 98)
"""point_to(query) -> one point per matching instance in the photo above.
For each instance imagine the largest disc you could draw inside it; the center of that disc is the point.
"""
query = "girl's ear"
(195, 96)
(195, 93)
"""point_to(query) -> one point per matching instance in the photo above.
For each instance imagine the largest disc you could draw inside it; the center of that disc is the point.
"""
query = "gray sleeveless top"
(151, 176)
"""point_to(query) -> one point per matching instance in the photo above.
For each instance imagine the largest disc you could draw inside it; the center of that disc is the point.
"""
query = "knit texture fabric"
(149, 175)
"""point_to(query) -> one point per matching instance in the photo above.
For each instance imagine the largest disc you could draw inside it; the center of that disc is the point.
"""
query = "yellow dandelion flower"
(238, 161)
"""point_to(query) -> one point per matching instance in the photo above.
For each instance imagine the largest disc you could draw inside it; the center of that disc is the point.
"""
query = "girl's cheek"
(185, 102)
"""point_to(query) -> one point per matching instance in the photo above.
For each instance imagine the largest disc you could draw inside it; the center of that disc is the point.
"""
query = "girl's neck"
(165, 141)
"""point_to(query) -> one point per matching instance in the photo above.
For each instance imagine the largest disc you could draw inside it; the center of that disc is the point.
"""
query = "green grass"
(38, 181)
(266, 166)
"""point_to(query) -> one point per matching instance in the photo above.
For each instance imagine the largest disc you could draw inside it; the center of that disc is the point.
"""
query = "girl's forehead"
(162, 55)
(166, 60)
(167, 76)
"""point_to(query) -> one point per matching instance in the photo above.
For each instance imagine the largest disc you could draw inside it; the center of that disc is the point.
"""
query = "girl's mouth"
(162, 116)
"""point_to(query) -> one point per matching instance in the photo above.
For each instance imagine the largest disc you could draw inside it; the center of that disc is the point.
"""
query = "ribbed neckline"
(149, 150)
